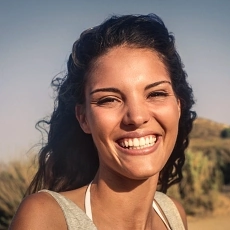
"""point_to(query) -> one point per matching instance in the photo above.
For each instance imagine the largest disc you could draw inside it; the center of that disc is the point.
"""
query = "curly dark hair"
(69, 159)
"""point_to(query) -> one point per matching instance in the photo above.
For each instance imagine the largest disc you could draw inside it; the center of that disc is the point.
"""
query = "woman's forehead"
(125, 66)
(125, 58)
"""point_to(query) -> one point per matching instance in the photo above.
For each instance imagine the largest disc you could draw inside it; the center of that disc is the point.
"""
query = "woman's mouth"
(138, 143)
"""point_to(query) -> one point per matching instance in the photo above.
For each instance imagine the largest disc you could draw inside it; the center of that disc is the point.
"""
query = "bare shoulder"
(181, 211)
(38, 211)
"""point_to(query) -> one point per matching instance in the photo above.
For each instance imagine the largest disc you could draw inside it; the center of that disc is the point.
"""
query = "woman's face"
(131, 112)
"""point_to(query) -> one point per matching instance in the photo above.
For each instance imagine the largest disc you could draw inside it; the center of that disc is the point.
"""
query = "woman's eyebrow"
(115, 90)
(110, 89)
(156, 84)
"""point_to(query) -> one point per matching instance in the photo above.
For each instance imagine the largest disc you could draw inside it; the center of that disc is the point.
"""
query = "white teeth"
(142, 141)
(138, 143)
(130, 142)
(135, 142)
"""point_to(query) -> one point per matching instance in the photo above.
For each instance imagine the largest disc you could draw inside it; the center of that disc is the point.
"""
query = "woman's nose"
(136, 114)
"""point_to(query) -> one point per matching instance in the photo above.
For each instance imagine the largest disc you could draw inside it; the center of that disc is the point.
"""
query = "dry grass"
(14, 180)
(219, 219)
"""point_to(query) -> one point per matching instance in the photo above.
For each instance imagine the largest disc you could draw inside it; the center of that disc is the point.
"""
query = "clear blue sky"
(36, 38)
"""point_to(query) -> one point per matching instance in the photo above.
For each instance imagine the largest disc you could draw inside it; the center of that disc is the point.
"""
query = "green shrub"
(225, 133)
(202, 181)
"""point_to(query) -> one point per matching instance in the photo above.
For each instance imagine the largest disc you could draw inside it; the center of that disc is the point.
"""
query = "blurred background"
(36, 38)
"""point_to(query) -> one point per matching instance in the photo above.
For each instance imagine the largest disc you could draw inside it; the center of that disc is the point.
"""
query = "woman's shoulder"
(38, 211)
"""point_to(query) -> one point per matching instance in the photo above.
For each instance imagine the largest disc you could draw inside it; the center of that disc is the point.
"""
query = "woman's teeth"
(138, 143)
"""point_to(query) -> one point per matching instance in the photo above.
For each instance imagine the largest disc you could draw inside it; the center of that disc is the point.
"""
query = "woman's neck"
(122, 203)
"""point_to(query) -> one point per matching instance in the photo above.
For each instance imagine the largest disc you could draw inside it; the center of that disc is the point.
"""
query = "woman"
(117, 134)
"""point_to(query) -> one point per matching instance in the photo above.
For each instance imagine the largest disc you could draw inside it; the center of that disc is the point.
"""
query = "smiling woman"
(117, 134)
(128, 97)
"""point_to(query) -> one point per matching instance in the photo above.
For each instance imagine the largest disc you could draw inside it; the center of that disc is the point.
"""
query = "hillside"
(206, 137)
(205, 128)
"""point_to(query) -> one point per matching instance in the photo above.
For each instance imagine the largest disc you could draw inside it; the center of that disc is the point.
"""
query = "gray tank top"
(76, 218)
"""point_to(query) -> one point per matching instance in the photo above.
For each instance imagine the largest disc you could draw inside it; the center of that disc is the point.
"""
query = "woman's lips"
(138, 143)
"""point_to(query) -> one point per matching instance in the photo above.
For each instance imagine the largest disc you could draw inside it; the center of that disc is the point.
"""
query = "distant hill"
(206, 136)
(205, 128)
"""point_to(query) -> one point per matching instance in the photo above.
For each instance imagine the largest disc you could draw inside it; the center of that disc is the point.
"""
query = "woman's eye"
(157, 94)
(107, 101)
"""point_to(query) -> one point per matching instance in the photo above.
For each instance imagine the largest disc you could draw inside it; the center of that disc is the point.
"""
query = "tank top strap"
(170, 211)
(88, 209)
(157, 210)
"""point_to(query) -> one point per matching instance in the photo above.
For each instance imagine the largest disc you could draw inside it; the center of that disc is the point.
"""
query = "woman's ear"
(81, 117)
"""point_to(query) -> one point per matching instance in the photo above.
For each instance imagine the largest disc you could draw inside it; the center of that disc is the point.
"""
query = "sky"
(36, 38)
